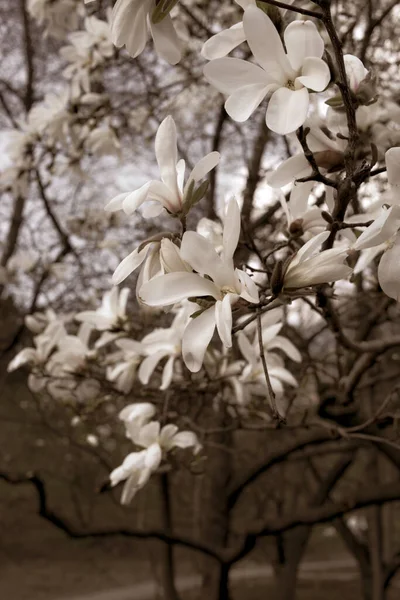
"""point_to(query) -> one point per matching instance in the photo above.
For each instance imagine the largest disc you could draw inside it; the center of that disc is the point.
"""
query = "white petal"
(310, 247)
(204, 166)
(355, 71)
(153, 457)
(392, 160)
(293, 168)
(187, 439)
(129, 264)
(223, 319)
(231, 229)
(287, 110)
(174, 287)
(167, 374)
(200, 254)
(242, 103)
(22, 358)
(149, 364)
(266, 45)
(116, 203)
(196, 338)
(129, 26)
(315, 74)
(230, 74)
(249, 289)
(247, 349)
(167, 153)
(287, 347)
(389, 271)
(148, 434)
(166, 436)
(367, 256)
(222, 43)
(302, 40)
(134, 199)
(166, 40)
(380, 230)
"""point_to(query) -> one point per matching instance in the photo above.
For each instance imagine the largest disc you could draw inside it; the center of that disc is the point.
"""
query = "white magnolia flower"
(59, 17)
(222, 43)
(52, 116)
(170, 192)
(138, 467)
(222, 287)
(165, 343)
(73, 352)
(308, 268)
(112, 312)
(249, 380)
(123, 374)
(288, 77)
(383, 235)
(135, 416)
(130, 22)
(44, 343)
(102, 141)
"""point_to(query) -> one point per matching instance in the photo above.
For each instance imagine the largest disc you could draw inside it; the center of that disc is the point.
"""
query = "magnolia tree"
(252, 315)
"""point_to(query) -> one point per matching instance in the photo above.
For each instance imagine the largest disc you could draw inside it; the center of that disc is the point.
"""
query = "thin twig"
(270, 391)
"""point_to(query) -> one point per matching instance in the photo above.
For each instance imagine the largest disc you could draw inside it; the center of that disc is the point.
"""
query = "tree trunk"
(167, 564)
(214, 515)
(294, 544)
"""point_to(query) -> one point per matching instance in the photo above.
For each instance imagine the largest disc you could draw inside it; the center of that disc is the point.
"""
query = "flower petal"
(293, 168)
(166, 40)
(315, 74)
(174, 287)
(244, 101)
(129, 264)
(167, 374)
(223, 319)
(231, 231)
(222, 43)
(302, 40)
(196, 338)
(266, 45)
(230, 74)
(167, 153)
(204, 166)
(389, 271)
(287, 110)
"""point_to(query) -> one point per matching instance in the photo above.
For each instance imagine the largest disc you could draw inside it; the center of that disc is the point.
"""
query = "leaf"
(335, 101)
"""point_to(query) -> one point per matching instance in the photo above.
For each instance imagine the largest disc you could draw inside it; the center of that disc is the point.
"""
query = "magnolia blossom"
(216, 285)
(165, 343)
(288, 77)
(112, 312)
(73, 352)
(138, 467)
(135, 416)
(169, 193)
(45, 343)
(130, 22)
(384, 235)
(123, 373)
(308, 268)
(222, 43)
(59, 17)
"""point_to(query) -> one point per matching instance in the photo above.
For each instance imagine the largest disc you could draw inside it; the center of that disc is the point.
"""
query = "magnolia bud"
(296, 228)
(276, 281)
(329, 159)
